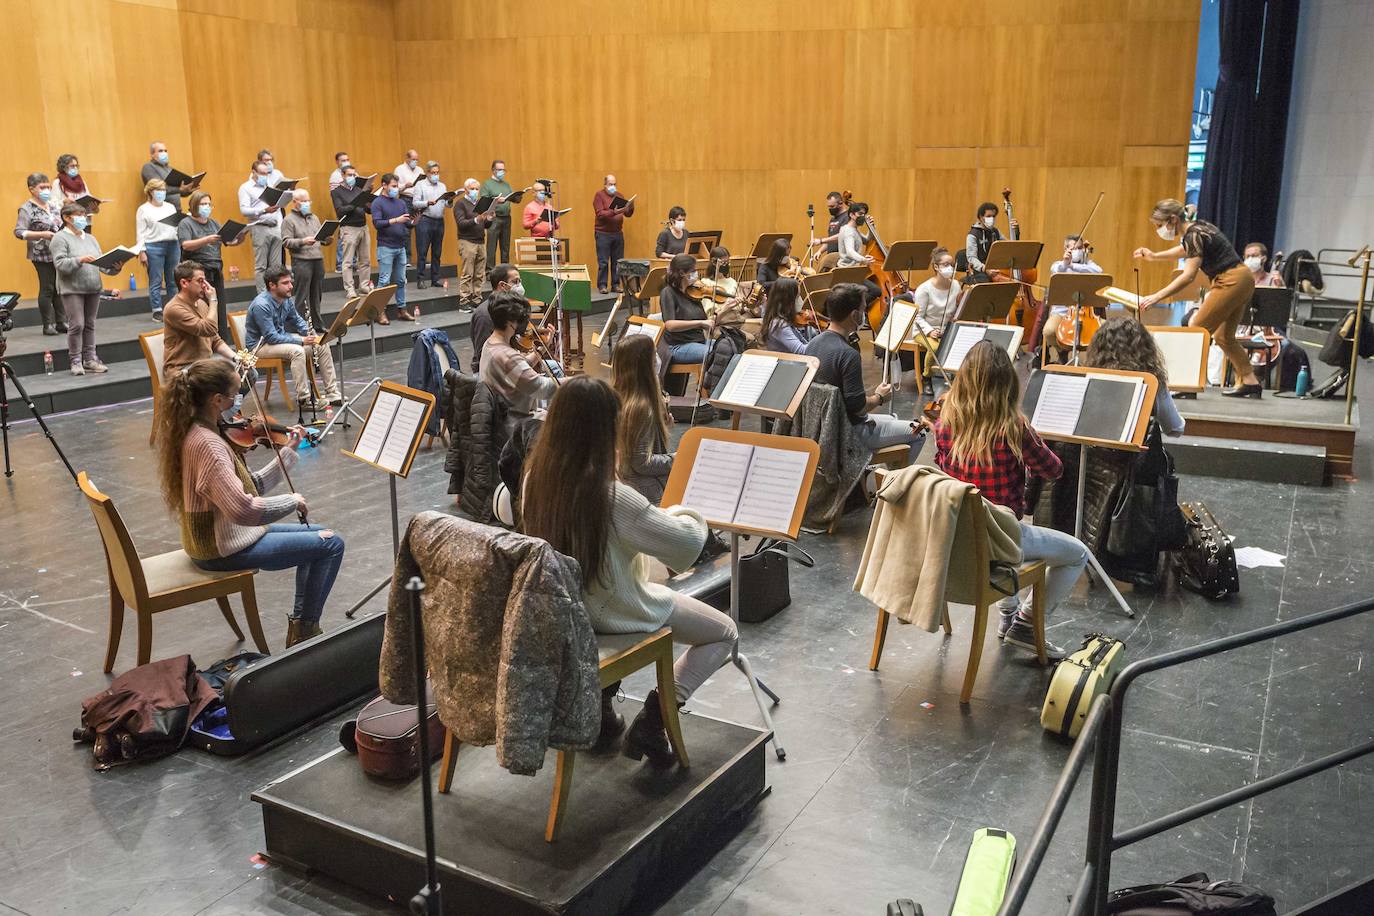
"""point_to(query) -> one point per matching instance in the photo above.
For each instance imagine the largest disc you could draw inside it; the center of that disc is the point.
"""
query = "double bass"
(1025, 309)
(889, 283)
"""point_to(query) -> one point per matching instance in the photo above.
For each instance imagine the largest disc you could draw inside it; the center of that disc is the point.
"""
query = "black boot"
(647, 738)
(612, 722)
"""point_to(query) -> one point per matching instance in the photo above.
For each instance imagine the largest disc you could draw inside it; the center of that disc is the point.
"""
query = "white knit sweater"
(630, 603)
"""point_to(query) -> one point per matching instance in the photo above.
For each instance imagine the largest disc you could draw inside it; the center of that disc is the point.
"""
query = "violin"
(1079, 326)
(796, 269)
(247, 434)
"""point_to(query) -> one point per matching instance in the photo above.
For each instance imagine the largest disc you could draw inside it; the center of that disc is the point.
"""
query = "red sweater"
(608, 220)
(1003, 479)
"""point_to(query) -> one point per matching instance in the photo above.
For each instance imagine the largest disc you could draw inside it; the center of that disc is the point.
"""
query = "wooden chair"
(154, 584)
(152, 344)
(1031, 573)
(620, 656)
(532, 252)
(265, 365)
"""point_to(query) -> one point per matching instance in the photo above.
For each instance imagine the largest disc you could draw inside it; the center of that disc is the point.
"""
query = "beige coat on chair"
(920, 554)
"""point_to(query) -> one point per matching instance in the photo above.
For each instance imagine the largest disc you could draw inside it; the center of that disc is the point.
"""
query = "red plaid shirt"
(1003, 479)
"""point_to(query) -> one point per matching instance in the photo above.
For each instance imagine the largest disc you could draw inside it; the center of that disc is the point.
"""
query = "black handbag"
(764, 583)
(1207, 562)
(1146, 519)
(1191, 895)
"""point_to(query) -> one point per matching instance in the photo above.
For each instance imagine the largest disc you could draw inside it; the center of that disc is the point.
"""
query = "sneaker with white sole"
(1021, 635)
(95, 366)
(77, 370)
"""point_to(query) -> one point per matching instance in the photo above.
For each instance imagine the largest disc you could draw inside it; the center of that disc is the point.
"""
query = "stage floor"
(1317, 422)
(886, 776)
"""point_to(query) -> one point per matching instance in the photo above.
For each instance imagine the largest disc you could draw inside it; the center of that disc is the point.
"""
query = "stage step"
(1240, 459)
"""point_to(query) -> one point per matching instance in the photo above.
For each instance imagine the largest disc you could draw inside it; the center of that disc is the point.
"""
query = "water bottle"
(233, 272)
(329, 415)
(47, 362)
(1304, 383)
(133, 283)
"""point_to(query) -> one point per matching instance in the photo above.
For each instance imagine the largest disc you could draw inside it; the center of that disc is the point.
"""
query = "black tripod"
(7, 372)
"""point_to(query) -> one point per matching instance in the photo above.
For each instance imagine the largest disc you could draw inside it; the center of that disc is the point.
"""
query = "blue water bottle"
(1304, 382)
(133, 283)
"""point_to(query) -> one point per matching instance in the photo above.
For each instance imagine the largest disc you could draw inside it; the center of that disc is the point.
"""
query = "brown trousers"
(1220, 312)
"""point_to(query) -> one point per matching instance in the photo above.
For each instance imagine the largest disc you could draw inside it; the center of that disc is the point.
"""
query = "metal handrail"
(1102, 734)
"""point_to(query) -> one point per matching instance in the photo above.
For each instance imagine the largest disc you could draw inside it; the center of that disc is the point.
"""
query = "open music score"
(750, 483)
(765, 383)
(1119, 296)
(1185, 356)
(960, 337)
(651, 328)
(896, 328)
(393, 428)
(1106, 407)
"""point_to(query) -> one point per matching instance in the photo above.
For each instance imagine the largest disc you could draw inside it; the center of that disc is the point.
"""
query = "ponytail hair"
(183, 398)
(1168, 209)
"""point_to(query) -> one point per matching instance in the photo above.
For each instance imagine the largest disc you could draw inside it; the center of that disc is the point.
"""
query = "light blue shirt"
(273, 322)
(426, 193)
(252, 206)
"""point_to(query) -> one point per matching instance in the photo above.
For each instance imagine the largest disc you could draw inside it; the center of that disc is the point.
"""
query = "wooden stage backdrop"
(743, 112)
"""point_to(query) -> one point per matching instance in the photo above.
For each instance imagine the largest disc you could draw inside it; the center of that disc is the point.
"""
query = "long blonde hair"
(641, 398)
(183, 398)
(983, 406)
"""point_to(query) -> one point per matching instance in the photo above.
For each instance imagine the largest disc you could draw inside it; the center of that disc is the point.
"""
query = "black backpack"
(1189, 895)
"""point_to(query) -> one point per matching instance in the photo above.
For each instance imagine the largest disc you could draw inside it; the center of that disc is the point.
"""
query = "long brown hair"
(569, 488)
(641, 399)
(983, 406)
(778, 253)
(183, 398)
(1124, 343)
(781, 303)
(679, 269)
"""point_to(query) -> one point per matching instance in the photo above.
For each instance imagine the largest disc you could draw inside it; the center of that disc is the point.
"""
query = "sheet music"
(750, 377)
(718, 476)
(771, 488)
(646, 330)
(373, 436)
(965, 336)
(1120, 297)
(1185, 355)
(897, 327)
(1060, 403)
(402, 433)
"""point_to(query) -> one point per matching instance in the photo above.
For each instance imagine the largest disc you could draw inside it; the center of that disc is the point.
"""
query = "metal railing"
(1101, 736)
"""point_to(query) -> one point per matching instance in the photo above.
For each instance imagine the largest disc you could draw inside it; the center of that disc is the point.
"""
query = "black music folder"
(114, 259)
(276, 197)
(177, 178)
(90, 200)
(620, 203)
(1089, 407)
(326, 230)
(174, 220)
(549, 215)
(231, 230)
(777, 392)
(362, 199)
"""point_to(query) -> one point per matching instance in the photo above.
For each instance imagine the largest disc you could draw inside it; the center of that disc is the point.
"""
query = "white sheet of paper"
(1060, 403)
(750, 377)
(1255, 557)
(402, 434)
(373, 436)
(1120, 297)
(771, 488)
(897, 327)
(717, 478)
(965, 336)
(645, 330)
(1134, 413)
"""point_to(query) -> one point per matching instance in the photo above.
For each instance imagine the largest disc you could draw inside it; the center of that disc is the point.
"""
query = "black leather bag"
(1191, 895)
(1146, 519)
(1207, 562)
(764, 583)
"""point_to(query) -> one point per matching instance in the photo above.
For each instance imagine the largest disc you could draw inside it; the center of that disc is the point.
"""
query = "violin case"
(299, 686)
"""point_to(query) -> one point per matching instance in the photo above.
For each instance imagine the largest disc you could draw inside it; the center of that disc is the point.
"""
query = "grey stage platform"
(631, 835)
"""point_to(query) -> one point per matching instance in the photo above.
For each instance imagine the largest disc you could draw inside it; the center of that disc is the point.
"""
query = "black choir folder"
(755, 380)
(112, 260)
(1085, 406)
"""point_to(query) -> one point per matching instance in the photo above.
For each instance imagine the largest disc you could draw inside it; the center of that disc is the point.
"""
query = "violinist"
(979, 241)
(642, 457)
(673, 239)
(778, 260)
(190, 332)
(502, 277)
(1077, 259)
(685, 323)
(226, 522)
(724, 286)
(519, 377)
(783, 331)
(839, 216)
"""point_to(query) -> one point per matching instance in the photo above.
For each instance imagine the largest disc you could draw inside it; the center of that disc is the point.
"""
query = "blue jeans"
(885, 429)
(429, 246)
(687, 353)
(610, 248)
(317, 560)
(1064, 556)
(391, 268)
(162, 260)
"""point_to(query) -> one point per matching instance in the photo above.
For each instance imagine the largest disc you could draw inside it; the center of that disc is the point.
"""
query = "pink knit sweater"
(222, 512)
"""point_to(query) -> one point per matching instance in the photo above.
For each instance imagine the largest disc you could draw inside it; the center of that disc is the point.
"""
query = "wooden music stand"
(782, 394)
(902, 258)
(702, 240)
(765, 243)
(1185, 355)
(676, 493)
(635, 324)
(648, 289)
(338, 330)
(1081, 290)
(390, 437)
(1116, 437)
(1008, 255)
(954, 338)
(986, 301)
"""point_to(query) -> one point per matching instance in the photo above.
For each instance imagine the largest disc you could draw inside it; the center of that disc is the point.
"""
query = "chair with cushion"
(974, 512)
(266, 366)
(620, 656)
(169, 580)
(153, 350)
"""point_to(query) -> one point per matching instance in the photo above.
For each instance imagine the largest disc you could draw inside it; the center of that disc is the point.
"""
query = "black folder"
(781, 388)
(174, 220)
(1106, 404)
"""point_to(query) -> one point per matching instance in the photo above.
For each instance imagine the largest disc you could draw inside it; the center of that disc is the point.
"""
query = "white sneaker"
(77, 369)
(95, 366)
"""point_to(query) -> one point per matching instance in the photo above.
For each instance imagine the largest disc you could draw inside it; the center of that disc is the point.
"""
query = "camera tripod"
(7, 374)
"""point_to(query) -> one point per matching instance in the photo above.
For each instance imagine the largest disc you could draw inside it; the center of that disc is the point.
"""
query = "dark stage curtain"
(1243, 174)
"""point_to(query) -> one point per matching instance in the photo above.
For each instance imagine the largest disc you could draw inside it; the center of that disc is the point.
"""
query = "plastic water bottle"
(1303, 384)
(47, 362)
(329, 415)
(233, 272)
(133, 283)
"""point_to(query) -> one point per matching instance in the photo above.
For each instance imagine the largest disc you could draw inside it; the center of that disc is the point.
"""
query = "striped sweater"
(630, 603)
(222, 512)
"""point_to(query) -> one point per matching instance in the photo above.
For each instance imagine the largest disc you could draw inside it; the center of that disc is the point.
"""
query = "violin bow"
(262, 418)
(705, 357)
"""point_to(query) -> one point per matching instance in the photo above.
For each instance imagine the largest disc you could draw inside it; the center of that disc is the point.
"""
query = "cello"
(1025, 309)
(890, 284)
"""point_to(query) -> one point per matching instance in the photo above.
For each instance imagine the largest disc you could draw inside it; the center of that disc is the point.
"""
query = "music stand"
(338, 330)
(1270, 307)
(985, 302)
(902, 258)
(765, 243)
(1008, 255)
(704, 239)
(780, 398)
(1079, 290)
(369, 310)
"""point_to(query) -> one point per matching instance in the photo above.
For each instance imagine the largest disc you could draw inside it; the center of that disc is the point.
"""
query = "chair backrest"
(125, 568)
(237, 321)
(154, 348)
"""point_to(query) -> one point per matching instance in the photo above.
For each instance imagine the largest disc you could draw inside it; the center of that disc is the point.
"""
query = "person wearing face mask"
(503, 278)
(979, 241)
(72, 184)
(156, 243)
(472, 245)
(1204, 248)
(274, 174)
(350, 209)
(78, 283)
(673, 239)
(198, 236)
(533, 217)
(391, 218)
(157, 167)
(264, 220)
(1077, 259)
(410, 173)
(498, 232)
(686, 327)
(300, 228)
(1256, 258)
(781, 333)
(937, 302)
(40, 218)
(341, 162)
(839, 217)
(427, 201)
(610, 233)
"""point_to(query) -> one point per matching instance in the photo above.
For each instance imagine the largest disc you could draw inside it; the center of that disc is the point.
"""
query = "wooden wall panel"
(744, 112)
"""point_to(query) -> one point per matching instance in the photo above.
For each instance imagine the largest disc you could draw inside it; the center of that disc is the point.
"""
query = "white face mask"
(989, 221)
(1078, 255)
(518, 289)
(680, 224)
(692, 277)
(946, 270)
(1166, 233)
(1254, 263)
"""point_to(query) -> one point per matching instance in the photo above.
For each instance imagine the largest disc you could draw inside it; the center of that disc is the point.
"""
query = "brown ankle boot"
(612, 722)
(299, 630)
